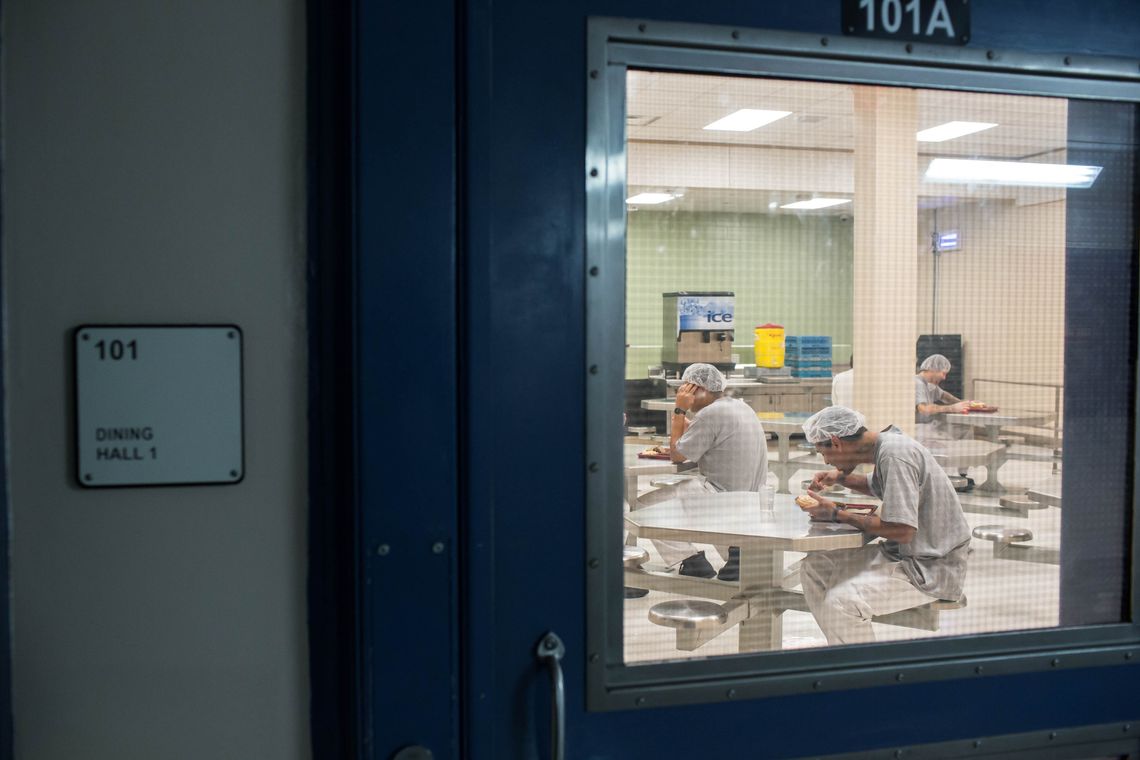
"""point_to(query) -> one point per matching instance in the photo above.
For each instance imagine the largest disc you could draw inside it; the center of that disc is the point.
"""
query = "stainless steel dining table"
(756, 603)
(988, 424)
(635, 467)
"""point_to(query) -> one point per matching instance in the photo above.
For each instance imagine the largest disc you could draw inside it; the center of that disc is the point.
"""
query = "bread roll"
(806, 501)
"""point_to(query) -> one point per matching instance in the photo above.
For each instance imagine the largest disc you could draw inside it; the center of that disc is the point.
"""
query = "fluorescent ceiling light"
(952, 129)
(815, 203)
(746, 120)
(650, 199)
(1011, 173)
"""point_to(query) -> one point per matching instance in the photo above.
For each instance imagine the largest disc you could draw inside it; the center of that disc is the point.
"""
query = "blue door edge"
(333, 565)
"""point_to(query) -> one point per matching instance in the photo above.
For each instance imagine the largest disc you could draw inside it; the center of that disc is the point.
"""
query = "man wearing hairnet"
(932, 402)
(926, 539)
(725, 439)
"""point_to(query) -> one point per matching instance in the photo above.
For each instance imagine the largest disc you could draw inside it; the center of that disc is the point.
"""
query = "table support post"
(760, 571)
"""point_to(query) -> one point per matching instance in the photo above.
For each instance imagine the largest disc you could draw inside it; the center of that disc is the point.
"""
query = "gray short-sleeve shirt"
(916, 491)
(928, 393)
(727, 442)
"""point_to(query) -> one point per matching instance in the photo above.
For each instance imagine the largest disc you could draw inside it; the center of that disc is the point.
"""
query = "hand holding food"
(824, 479)
(815, 505)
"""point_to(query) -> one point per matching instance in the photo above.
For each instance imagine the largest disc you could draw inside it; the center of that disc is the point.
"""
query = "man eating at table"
(931, 403)
(926, 538)
(727, 442)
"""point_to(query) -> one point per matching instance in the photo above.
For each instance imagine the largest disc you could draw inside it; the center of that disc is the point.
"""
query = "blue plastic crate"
(796, 372)
(824, 362)
(807, 353)
(807, 341)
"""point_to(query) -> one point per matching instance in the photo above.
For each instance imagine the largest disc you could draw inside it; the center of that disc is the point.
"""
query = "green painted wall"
(792, 270)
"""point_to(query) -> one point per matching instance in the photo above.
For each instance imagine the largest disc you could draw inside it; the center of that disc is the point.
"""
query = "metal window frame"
(614, 46)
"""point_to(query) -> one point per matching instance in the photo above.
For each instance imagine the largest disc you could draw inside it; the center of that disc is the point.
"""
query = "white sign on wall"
(158, 405)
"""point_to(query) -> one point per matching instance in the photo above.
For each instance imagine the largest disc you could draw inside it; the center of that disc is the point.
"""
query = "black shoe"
(635, 593)
(965, 487)
(697, 566)
(731, 569)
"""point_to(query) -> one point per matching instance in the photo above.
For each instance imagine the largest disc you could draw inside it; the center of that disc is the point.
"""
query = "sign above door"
(941, 22)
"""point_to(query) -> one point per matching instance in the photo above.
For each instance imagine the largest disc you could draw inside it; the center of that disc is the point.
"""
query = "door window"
(953, 268)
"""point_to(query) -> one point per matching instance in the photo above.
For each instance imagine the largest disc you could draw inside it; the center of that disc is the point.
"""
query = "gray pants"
(845, 588)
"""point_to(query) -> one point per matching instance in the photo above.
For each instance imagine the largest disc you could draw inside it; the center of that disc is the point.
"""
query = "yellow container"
(769, 346)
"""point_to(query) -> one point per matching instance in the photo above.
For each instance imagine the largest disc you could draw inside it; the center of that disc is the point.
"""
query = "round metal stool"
(687, 613)
(633, 556)
(1001, 534)
(1019, 502)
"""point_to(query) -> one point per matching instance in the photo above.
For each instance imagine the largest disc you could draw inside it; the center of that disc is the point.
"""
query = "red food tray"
(658, 455)
(981, 410)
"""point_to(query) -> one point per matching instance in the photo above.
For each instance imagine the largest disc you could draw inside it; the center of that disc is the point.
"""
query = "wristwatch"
(678, 410)
(835, 514)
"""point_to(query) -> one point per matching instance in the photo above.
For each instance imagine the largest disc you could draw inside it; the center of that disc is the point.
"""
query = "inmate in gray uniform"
(930, 426)
(726, 440)
(916, 492)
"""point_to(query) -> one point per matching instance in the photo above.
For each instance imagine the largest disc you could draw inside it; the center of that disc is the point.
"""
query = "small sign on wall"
(158, 405)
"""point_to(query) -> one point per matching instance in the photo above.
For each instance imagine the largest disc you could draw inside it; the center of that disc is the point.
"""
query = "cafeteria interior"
(825, 235)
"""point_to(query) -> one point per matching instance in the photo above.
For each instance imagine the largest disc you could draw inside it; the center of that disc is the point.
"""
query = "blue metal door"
(471, 272)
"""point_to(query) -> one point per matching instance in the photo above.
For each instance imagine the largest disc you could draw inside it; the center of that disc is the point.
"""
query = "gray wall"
(154, 158)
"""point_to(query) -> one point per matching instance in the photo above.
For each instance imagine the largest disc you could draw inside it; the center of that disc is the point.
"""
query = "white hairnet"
(834, 420)
(935, 363)
(705, 375)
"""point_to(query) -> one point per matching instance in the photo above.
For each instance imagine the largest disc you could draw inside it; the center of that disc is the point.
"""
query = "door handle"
(550, 650)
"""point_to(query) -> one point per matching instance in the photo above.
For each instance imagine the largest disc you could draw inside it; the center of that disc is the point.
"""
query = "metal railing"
(1057, 390)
